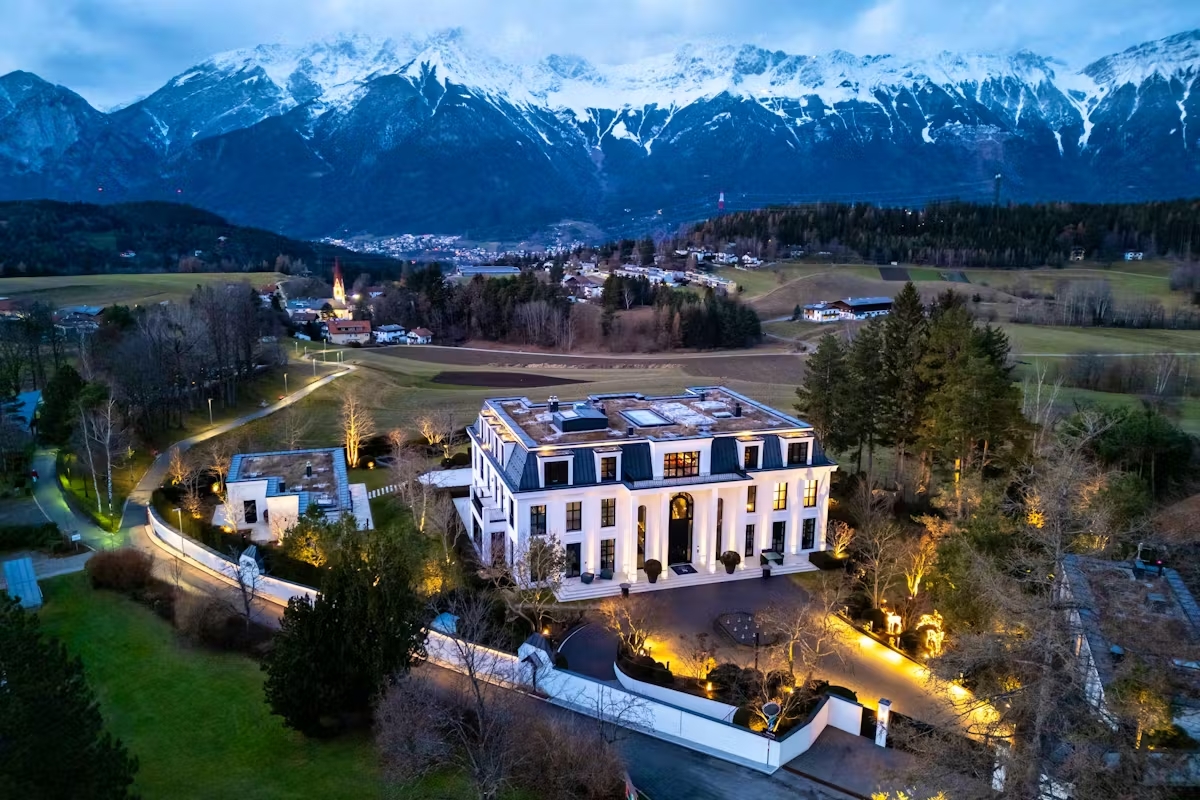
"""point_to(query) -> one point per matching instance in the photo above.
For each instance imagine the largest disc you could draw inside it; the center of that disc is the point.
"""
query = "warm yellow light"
(216, 487)
(370, 465)
(545, 631)
(708, 686)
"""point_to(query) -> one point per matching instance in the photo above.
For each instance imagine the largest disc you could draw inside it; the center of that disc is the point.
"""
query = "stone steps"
(575, 590)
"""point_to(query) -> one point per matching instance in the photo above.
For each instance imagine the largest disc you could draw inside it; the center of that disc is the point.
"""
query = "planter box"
(587, 577)
(825, 559)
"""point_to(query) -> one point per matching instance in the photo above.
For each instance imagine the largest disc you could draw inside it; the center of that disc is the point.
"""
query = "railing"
(477, 503)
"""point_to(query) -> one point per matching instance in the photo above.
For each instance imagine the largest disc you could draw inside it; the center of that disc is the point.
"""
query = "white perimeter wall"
(651, 715)
(214, 563)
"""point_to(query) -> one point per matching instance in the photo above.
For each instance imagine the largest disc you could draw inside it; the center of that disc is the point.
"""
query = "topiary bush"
(126, 570)
(37, 537)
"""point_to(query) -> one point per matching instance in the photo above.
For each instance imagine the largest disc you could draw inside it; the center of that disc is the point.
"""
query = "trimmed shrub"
(126, 570)
(824, 559)
(645, 668)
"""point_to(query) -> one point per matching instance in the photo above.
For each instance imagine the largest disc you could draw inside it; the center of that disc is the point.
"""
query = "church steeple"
(339, 288)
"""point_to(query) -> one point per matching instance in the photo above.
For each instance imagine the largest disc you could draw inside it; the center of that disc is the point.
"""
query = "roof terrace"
(699, 411)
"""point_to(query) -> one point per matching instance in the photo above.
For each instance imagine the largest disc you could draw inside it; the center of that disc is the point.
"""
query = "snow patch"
(1058, 138)
(925, 135)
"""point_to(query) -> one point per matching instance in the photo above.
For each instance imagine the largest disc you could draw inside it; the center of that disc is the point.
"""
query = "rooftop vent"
(737, 409)
(629, 430)
(553, 403)
(722, 414)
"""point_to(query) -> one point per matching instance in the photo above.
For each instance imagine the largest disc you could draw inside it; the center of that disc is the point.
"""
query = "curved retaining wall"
(215, 564)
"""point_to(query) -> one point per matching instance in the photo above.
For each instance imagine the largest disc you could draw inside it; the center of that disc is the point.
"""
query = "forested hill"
(43, 237)
(964, 234)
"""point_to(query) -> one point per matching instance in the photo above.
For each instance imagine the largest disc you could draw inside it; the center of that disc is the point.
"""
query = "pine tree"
(863, 403)
(819, 399)
(52, 739)
(904, 334)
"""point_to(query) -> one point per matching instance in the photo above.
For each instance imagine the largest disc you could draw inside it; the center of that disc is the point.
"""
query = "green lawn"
(196, 720)
(1136, 279)
(104, 290)
(1046, 339)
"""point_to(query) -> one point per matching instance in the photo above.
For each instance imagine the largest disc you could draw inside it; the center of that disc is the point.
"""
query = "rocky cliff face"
(432, 135)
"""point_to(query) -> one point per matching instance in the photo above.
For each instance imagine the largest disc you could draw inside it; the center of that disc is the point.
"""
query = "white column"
(711, 539)
(823, 510)
(661, 524)
(627, 541)
(794, 505)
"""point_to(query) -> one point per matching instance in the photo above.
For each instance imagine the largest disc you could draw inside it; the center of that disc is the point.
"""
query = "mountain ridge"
(317, 139)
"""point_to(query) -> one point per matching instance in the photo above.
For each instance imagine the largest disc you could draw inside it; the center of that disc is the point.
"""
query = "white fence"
(382, 490)
(219, 565)
(712, 709)
(658, 716)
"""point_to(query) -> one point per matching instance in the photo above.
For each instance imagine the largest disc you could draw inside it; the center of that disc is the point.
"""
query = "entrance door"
(679, 533)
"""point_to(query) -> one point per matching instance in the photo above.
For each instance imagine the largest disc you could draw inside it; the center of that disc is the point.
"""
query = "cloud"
(114, 50)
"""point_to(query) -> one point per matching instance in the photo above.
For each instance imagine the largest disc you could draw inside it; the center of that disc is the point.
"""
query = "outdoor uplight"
(708, 686)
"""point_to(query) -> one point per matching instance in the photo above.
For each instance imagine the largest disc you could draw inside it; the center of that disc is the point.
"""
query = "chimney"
(308, 469)
(553, 403)
(737, 409)
(629, 431)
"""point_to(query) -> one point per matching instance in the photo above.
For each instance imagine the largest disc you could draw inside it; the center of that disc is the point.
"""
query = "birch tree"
(358, 425)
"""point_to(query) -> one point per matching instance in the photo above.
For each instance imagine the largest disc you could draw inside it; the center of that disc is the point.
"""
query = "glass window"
(778, 536)
(556, 473)
(537, 520)
(574, 516)
(608, 512)
(780, 496)
(720, 516)
(749, 541)
(608, 469)
(250, 511)
(810, 494)
(797, 453)
(641, 537)
(608, 554)
(681, 465)
(573, 560)
(808, 534)
(751, 498)
(750, 457)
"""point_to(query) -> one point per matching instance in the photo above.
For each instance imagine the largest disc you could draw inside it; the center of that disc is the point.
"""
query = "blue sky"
(112, 51)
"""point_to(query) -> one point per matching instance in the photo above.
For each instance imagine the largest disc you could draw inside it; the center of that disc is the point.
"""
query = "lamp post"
(210, 418)
(285, 389)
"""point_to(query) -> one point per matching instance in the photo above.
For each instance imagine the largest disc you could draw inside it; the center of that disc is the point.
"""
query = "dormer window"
(608, 468)
(608, 464)
(797, 453)
(750, 457)
(750, 450)
(556, 473)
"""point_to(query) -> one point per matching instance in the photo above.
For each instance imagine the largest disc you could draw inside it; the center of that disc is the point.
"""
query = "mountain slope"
(359, 135)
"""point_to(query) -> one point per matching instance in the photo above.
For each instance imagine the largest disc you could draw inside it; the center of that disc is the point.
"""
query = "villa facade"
(624, 479)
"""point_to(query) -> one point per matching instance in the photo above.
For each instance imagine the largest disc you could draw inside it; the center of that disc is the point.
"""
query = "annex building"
(626, 479)
(269, 491)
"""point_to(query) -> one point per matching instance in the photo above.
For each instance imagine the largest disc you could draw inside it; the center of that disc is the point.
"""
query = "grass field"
(1137, 279)
(196, 720)
(1186, 414)
(105, 290)
(1029, 339)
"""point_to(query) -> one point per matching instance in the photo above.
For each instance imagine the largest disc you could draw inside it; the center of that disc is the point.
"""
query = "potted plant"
(731, 558)
(653, 569)
(587, 577)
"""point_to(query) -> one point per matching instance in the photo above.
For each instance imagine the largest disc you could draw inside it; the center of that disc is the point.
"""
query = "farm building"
(851, 308)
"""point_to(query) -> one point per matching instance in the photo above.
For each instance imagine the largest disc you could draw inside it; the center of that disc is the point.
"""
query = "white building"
(852, 308)
(269, 491)
(624, 479)
(391, 334)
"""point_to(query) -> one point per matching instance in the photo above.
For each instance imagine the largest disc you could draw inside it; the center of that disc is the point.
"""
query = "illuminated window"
(537, 520)
(608, 512)
(751, 498)
(681, 465)
(810, 494)
(780, 496)
(574, 516)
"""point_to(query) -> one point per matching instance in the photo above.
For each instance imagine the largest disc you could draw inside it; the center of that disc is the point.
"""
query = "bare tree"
(438, 429)
(410, 728)
(292, 424)
(408, 466)
(810, 632)
(697, 655)
(357, 425)
(218, 455)
(528, 585)
(245, 571)
(633, 619)
(839, 538)
(917, 558)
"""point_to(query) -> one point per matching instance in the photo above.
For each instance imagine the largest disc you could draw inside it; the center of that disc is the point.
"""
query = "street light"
(210, 421)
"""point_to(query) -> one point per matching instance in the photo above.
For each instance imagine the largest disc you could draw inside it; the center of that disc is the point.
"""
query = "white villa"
(624, 479)
(852, 308)
(269, 491)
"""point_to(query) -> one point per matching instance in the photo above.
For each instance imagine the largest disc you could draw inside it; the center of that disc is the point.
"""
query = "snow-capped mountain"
(432, 133)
